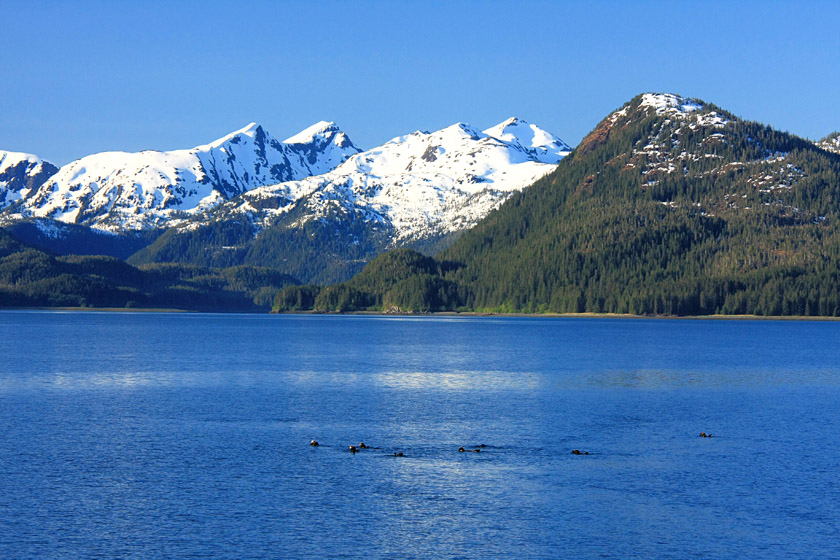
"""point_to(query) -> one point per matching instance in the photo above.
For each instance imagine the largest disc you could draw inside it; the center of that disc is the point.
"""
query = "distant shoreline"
(573, 315)
(443, 314)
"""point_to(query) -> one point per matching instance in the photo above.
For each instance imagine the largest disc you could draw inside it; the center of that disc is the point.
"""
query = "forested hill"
(30, 277)
(399, 280)
(669, 206)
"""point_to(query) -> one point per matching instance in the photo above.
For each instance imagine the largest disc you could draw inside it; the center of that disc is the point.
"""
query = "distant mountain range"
(670, 205)
(420, 185)
(314, 205)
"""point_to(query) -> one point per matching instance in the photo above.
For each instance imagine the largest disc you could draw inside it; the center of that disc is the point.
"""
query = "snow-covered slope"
(421, 185)
(119, 191)
(543, 146)
(20, 174)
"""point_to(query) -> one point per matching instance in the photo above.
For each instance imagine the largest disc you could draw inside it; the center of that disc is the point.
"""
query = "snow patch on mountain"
(831, 143)
(693, 139)
(683, 108)
(668, 103)
(667, 149)
(119, 190)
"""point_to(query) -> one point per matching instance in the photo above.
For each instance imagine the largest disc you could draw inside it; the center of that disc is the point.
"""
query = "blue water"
(129, 435)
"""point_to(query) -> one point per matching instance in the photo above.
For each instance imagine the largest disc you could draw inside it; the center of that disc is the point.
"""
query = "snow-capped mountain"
(119, 191)
(21, 174)
(420, 190)
(420, 185)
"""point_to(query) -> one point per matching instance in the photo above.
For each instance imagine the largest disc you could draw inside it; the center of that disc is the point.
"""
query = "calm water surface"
(129, 435)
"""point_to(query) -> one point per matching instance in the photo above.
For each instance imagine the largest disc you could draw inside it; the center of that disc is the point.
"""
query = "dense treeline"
(649, 215)
(63, 239)
(30, 277)
(402, 280)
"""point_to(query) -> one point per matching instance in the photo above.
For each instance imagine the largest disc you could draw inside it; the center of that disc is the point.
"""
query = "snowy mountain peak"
(323, 134)
(544, 146)
(457, 130)
(251, 130)
(8, 159)
(320, 129)
(512, 121)
(693, 112)
(20, 174)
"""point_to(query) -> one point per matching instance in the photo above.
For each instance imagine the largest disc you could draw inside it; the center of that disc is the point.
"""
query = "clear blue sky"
(82, 77)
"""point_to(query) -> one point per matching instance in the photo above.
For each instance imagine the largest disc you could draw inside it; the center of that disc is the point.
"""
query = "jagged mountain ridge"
(415, 189)
(21, 174)
(421, 184)
(119, 191)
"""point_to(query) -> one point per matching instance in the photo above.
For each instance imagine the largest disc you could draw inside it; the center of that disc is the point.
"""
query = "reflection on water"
(457, 380)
